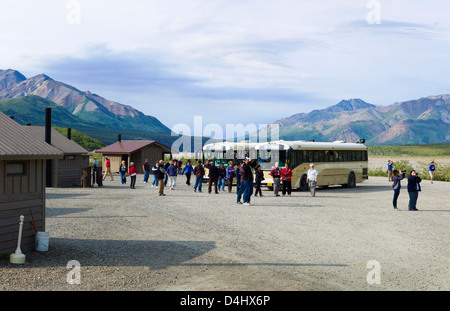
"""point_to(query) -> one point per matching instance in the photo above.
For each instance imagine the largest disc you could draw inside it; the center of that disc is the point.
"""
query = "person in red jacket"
(133, 172)
(286, 176)
(108, 169)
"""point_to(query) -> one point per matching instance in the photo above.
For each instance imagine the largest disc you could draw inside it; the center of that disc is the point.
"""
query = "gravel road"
(128, 239)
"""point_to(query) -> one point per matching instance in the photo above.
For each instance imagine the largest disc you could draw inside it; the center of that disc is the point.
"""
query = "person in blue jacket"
(413, 190)
(431, 170)
(396, 186)
(188, 170)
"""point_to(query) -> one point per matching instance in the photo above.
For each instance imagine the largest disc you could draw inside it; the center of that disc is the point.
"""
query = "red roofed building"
(133, 151)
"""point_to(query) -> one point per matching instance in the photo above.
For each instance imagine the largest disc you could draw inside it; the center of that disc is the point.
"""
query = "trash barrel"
(99, 177)
(86, 177)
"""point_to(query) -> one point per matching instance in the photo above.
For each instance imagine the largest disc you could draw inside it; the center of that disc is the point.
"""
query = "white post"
(18, 257)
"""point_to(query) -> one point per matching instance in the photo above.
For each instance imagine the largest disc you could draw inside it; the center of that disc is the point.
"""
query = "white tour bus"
(338, 163)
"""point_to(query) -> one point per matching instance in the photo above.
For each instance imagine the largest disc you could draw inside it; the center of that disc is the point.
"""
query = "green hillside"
(418, 150)
(82, 139)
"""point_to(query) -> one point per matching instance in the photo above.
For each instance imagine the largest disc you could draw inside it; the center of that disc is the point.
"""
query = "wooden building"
(133, 151)
(22, 183)
(65, 172)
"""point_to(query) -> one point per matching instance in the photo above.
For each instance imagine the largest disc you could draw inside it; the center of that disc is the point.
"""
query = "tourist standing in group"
(222, 175)
(286, 176)
(311, 179)
(94, 170)
(396, 186)
(240, 183)
(213, 176)
(146, 169)
(108, 169)
(390, 166)
(155, 176)
(231, 173)
(123, 169)
(431, 170)
(133, 175)
(172, 175)
(199, 173)
(276, 174)
(161, 175)
(166, 166)
(179, 166)
(413, 190)
(259, 177)
(247, 168)
(188, 169)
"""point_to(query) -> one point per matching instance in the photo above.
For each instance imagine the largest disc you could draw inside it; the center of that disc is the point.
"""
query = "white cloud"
(234, 52)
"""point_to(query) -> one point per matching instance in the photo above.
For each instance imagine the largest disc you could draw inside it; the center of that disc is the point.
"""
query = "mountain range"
(26, 99)
(422, 121)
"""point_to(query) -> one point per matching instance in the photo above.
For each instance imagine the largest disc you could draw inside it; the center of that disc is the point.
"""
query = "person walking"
(108, 169)
(133, 175)
(311, 179)
(161, 174)
(390, 166)
(222, 175)
(123, 169)
(188, 169)
(276, 174)
(179, 165)
(231, 173)
(213, 176)
(146, 170)
(431, 170)
(199, 173)
(172, 175)
(286, 176)
(413, 190)
(396, 186)
(154, 173)
(259, 177)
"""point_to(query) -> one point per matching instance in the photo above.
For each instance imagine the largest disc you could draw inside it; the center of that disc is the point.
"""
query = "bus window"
(337, 156)
(353, 156)
(364, 155)
(358, 155)
(344, 156)
(329, 156)
(321, 156)
(316, 156)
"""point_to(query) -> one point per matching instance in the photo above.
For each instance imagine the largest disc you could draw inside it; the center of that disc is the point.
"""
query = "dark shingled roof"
(130, 146)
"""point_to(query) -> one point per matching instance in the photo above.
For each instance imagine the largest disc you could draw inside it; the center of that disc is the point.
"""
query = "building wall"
(115, 160)
(67, 172)
(19, 195)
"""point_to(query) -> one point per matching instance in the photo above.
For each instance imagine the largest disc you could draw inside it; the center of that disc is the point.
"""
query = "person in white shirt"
(311, 179)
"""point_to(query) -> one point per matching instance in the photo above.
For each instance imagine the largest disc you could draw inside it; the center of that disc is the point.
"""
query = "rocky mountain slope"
(426, 120)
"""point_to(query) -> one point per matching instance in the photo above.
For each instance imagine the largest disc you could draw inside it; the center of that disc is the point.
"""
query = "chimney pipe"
(120, 138)
(48, 125)
(12, 117)
(28, 124)
(48, 140)
(69, 133)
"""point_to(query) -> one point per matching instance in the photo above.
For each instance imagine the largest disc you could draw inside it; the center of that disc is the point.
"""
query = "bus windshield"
(267, 159)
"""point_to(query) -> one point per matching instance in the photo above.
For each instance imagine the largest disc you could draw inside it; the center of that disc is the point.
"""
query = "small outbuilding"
(65, 172)
(133, 151)
(23, 159)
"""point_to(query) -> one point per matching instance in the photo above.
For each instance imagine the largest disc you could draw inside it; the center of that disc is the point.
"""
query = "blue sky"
(246, 61)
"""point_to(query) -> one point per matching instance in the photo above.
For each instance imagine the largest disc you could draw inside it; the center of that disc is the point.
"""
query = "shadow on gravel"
(55, 212)
(272, 264)
(157, 255)
(51, 196)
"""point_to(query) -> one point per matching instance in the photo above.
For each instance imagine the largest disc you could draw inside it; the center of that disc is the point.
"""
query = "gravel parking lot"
(128, 239)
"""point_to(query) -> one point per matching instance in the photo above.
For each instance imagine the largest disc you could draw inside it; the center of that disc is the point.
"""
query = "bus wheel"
(351, 182)
(303, 183)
